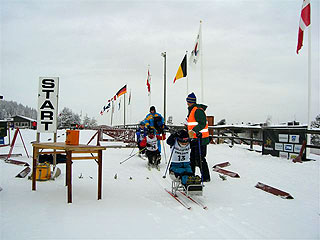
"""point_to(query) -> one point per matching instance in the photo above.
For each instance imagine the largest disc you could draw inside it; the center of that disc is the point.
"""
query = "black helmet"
(182, 136)
(152, 108)
(151, 131)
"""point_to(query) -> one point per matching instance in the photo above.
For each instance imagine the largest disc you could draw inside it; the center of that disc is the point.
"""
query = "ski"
(178, 200)
(194, 200)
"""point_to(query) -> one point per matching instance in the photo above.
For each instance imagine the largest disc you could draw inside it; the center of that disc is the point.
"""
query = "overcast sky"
(250, 66)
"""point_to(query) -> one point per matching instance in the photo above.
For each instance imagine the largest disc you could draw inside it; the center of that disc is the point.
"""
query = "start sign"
(48, 104)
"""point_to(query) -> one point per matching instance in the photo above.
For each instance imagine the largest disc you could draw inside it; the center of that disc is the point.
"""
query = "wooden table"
(69, 150)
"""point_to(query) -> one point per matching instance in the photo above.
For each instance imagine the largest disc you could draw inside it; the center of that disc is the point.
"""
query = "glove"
(163, 136)
(191, 133)
(199, 135)
(149, 145)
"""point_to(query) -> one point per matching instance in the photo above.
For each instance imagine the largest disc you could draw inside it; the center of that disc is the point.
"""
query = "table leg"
(99, 173)
(69, 175)
(34, 167)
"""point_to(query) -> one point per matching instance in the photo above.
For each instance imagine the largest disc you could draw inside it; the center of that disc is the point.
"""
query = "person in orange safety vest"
(198, 129)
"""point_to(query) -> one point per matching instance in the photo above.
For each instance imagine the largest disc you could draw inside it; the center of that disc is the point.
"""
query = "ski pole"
(164, 176)
(132, 156)
(200, 159)
(164, 151)
(132, 151)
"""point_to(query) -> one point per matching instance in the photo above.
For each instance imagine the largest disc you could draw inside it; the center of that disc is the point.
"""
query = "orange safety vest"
(192, 123)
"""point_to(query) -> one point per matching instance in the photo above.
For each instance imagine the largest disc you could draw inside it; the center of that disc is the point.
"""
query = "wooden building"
(24, 122)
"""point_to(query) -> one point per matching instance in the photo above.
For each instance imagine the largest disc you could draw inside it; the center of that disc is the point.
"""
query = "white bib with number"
(181, 153)
(153, 144)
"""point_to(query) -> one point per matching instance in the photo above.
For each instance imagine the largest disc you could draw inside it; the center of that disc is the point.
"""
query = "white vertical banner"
(48, 105)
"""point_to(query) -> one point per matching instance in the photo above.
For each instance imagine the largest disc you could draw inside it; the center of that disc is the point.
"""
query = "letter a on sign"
(48, 104)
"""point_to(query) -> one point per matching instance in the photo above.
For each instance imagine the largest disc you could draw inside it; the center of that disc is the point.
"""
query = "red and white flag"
(149, 83)
(304, 22)
(195, 53)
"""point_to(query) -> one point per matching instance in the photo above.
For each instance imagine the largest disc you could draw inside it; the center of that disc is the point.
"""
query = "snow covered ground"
(139, 208)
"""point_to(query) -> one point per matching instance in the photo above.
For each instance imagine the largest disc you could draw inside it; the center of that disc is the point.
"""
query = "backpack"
(158, 125)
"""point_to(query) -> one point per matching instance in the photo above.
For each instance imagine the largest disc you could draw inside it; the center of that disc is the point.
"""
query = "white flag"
(195, 53)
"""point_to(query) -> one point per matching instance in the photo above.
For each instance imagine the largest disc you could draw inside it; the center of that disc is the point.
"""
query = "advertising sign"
(283, 142)
(288, 147)
(294, 138)
(48, 104)
(283, 137)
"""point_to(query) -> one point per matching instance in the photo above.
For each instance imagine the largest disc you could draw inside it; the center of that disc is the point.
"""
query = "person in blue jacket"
(156, 121)
(141, 133)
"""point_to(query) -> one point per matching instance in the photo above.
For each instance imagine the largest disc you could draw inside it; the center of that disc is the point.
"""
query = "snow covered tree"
(67, 118)
(11, 108)
(86, 121)
(222, 122)
(315, 138)
(93, 123)
(269, 120)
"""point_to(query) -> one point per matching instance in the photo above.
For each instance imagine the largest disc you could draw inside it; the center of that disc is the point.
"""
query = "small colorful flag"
(129, 97)
(182, 70)
(122, 91)
(149, 83)
(305, 21)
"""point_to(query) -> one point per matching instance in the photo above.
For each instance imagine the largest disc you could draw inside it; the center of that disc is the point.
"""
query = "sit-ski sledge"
(191, 188)
(187, 192)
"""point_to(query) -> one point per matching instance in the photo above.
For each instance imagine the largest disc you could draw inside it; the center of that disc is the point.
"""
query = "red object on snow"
(221, 165)
(299, 158)
(226, 172)
(273, 191)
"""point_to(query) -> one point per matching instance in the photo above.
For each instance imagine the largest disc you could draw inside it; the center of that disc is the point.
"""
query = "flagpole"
(150, 85)
(111, 113)
(124, 109)
(309, 89)
(164, 55)
(201, 47)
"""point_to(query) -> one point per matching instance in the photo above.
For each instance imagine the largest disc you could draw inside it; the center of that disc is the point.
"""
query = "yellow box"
(43, 172)
(72, 137)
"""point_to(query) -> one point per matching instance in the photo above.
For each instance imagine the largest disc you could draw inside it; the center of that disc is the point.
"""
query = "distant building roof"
(26, 118)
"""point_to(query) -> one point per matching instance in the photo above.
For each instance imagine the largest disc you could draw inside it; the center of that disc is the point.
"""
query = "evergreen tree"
(315, 138)
(10, 108)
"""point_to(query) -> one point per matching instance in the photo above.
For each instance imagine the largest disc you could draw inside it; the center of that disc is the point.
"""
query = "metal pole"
(124, 110)
(164, 54)
(309, 91)
(112, 112)
(201, 56)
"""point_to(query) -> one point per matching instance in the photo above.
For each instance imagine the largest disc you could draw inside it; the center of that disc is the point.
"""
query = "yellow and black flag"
(182, 71)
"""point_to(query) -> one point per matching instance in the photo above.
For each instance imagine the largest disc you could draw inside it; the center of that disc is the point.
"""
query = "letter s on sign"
(47, 83)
